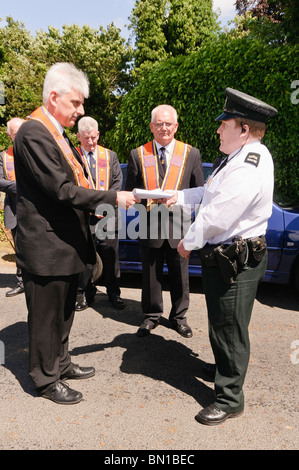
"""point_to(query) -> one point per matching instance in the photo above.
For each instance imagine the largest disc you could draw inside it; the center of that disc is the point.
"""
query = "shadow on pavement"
(160, 359)
(15, 339)
(277, 295)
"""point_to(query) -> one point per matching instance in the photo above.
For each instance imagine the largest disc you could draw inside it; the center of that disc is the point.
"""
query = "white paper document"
(153, 194)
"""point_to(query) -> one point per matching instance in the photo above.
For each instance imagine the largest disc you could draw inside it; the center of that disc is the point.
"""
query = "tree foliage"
(285, 13)
(195, 86)
(179, 58)
(168, 28)
(102, 54)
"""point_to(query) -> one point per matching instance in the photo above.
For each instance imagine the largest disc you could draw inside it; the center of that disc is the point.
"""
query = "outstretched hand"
(172, 200)
(181, 250)
(126, 199)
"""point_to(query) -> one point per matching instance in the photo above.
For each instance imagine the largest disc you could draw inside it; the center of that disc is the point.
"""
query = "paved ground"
(146, 392)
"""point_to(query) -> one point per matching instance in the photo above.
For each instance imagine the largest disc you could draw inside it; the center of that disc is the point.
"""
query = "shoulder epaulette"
(253, 158)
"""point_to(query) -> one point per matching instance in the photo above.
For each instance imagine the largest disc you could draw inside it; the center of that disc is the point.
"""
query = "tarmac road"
(147, 391)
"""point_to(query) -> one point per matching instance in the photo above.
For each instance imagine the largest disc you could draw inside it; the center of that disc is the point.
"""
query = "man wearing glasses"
(164, 163)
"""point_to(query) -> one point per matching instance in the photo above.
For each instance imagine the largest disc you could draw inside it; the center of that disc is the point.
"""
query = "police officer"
(229, 229)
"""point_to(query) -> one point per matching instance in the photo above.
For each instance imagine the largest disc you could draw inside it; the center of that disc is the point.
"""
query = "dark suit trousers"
(51, 304)
(152, 280)
(108, 251)
(19, 271)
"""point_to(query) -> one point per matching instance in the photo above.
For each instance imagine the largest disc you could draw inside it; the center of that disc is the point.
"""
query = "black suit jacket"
(53, 235)
(192, 177)
(10, 188)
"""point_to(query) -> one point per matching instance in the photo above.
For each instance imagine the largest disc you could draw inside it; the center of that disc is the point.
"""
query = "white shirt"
(237, 201)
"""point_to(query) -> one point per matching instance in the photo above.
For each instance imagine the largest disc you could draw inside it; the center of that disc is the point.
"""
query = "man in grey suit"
(164, 163)
(9, 187)
(54, 243)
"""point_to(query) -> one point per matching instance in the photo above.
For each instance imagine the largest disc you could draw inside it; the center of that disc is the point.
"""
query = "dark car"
(282, 241)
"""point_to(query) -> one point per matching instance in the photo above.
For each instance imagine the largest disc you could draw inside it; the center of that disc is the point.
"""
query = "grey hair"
(170, 108)
(63, 77)
(87, 123)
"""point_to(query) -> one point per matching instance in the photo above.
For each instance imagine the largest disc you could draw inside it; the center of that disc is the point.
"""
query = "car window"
(207, 170)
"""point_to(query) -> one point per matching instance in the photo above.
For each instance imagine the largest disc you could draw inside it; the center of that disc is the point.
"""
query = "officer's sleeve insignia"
(253, 158)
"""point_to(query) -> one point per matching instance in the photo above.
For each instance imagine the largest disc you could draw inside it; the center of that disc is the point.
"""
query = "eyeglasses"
(159, 125)
(86, 138)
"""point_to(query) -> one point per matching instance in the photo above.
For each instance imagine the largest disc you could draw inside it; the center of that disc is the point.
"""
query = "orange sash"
(41, 115)
(174, 172)
(102, 158)
(8, 164)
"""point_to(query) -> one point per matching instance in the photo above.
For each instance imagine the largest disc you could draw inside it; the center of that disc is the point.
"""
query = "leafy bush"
(195, 86)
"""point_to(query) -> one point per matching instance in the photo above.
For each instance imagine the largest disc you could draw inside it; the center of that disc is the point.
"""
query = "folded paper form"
(153, 194)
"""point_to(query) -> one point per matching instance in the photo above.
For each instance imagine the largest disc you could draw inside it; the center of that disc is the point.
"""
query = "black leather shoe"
(183, 330)
(81, 303)
(62, 394)
(78, 373)
(145, 329)
(116, 301)
(15, 291)
(211, 415)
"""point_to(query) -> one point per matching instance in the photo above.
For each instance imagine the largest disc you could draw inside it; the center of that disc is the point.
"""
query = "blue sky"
(36, 14)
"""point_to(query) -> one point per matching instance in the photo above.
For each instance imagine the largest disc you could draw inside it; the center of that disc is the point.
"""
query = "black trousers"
(108, 252)
(51, 304)
(229, 313)
(19, 271)
(152, 280)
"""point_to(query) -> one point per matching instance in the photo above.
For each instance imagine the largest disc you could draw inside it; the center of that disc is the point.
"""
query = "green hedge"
(195, 86)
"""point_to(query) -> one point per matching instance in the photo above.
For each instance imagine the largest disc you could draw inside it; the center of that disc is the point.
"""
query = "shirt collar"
(167, 147)
(235, 152)
(57, 124)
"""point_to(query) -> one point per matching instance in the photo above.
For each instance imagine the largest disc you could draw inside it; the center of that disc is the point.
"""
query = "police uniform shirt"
(236, 201)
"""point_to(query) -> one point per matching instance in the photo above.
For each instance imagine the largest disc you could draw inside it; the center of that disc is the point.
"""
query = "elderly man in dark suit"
(164, 163)
(9, 187)
(104, 173)
(54, 242)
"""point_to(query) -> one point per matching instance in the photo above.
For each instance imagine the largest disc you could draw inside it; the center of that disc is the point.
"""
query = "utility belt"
(232, 259)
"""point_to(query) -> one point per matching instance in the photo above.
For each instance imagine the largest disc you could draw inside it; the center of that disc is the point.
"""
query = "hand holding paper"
(151, 194)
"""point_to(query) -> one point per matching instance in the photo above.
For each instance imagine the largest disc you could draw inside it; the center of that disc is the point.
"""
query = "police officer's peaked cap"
(239, 104)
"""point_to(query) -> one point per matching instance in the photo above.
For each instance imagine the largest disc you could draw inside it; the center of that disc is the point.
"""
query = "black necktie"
(222, 165)
(163, 159)
(92, 165)
(66, 137)
(74, 151)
